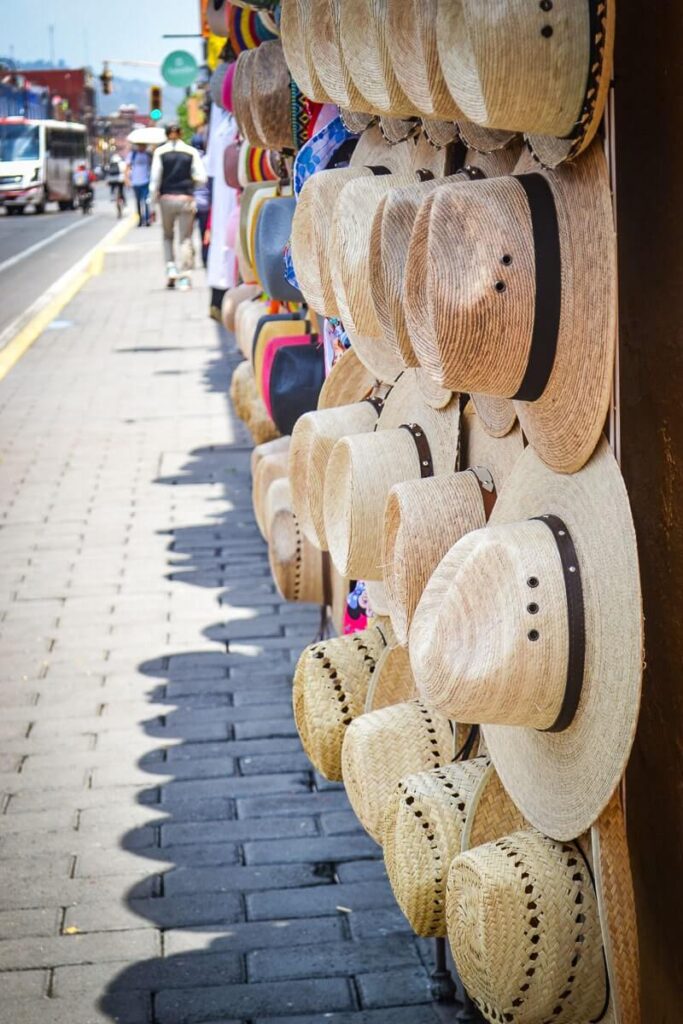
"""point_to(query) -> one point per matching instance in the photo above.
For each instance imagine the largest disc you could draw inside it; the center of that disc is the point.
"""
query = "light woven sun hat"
(423, 519)
(413, 440)
(279, 446)
(348, 381)
(364, 29)
(241, 97)
(411, 41)
(556, 686)
(524, 929)
(324, 53)
(268, 469)
(270, 96)
(232, 299)
(430, 816)
(393, 218)
(247, 317)
(381, 747)
(517, 298)
(484, 140)
(295, 28)
(377, 597)
(296, 565)
(331, 685)
(541, 69)
(249, 406)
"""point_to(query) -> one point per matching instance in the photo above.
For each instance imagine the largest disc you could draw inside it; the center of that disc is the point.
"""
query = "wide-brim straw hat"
(331, 685)
(423, 519)
(323, 39)
(232, 299)
(249, 406)
(242, 97)
(247, 316)
(524, 929)
(279, 446)
(270, 96)
(269, 468)
(485, 140)
(364, 30)
(556, 685)
(411, 41)
(377, 597)
(430, 817)
(391, 222)
(296, 28)
(544, 72)
(528, 260)
(348, 381)
(296, 565)
(362, 469)
(383, 746)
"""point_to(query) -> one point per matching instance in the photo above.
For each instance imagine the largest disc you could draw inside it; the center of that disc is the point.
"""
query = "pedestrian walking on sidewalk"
(139, 165)
(176, 169)
(202, 198)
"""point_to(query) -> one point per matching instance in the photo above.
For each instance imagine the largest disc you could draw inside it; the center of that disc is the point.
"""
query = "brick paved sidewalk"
(166, 853)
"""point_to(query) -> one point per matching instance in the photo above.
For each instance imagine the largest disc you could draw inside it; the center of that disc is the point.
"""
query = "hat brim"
(348, 381)
(562, 781)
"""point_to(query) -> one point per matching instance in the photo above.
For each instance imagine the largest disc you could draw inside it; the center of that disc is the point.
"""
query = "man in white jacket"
(176, 169)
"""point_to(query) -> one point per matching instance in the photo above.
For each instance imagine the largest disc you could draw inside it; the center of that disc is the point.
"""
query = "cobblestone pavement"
(166, 852)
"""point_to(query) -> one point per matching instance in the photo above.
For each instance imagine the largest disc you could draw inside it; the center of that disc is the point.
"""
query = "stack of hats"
(461, 252)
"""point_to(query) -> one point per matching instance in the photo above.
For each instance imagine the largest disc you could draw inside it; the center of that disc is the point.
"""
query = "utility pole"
(51, 35)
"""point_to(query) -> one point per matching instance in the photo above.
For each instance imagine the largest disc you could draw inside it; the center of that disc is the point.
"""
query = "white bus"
(37, 161)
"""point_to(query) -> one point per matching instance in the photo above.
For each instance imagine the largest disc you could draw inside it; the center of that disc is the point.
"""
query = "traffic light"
(106, 79)
(155, 103)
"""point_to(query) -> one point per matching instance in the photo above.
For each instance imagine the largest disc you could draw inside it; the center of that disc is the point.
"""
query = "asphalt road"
(36, 249)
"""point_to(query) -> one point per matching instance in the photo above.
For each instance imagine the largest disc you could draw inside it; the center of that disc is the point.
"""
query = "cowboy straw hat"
(331, 685)
(295, 19)
(279, 446)
(411, 41)
(269, 468)
(556, 685)
(270, 96)
(242, 97)
(381, 747)
(423, 519)
(430, 816)
(377, 598)
(362, 469)
(541, 69)
(348, 381)
(524, 929)
(484, 140)
(516, 258)
(249, 406)
(323, 42)
(247, 316)
(296, 565)
(231, 300)
(364, 30)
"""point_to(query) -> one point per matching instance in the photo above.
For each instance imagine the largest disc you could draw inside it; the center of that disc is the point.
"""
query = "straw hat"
(241, 97)
(294, 28)
(271, 96)
(392, 222)
(296, 565)
(411, 41)
(377, 598)
(324, 53)
(348, 381)
(364, 30)
(331, 684)
(249, 406)
(544, 70)
(556, 685)
(526, 270)
(424, 518)
(524, 929)
(247, 316)
(232, 299)
(430, 816)
(216, 17)
(383, 746)
(277, 447)
(412, 440)
(268, 468)
(485, 140)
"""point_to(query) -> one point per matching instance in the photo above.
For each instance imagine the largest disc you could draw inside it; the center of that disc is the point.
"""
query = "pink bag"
(272, 347)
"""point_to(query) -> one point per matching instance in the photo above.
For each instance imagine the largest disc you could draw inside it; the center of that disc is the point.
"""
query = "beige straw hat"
(249, 406)
(485, 140)
(383, 746)
(392, 219)
(296, 565)
(231, 300)
(269, 468)
(277, 447)
(331, 685)
(535, 266)
(541, 69)
(362, 469)
(556, 685)
(295, 26)
(423, 519)
(364, 30)
(348, 381)
(411, 42)
(247, 316)
(524, 929)
(324, 51)
(430, 816)
(271, 96)
(242, 97)
(377, 598)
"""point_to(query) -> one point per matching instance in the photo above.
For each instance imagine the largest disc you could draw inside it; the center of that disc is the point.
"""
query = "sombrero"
(524, 929)
(411, 41)
(556, 684)
(515, 259)
(430, 816)
(543, 69)
(232, 299)
(270, 467)
(413, 440)
(295, 28)
(423, 519)
(383, 746)
(331, 685)
(348, 381)
(364, 30)
(296, 565)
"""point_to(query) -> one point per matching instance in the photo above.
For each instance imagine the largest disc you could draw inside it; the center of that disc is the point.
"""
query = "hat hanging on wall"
(556, 686)
(541, 69)
(296, 18)
(270, 467)
(241, 98)
(296, 565)
(527, 274)
(247, 29)
(430, 816)
(364, 30)
(216, 16)
(524, 928)
(348, 381)
(270, 96)
(362, 469)
(217, 82)
(277, 447)
(232, 299)
(423, 519)
(411, 40)
(273, 230)
(325, 55)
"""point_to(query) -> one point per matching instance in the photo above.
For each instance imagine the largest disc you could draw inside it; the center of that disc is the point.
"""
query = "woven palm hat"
(271, 96)
(269, 468)
(331, 685)
(524, 929)
(249, 406)
(324, 52)
(231, 300)
(247, 316)
(242, 97)
(393, 220)
(383, 746)
(411, 41)
(296, 565)
(364, 29)
(279, 446)
(430, 816)
(541, 69)
(362, 469)
(295, 28)
(485, 140)
(377, 598)
(348, 381)
(423, 519)
(556, 683)
(519, 294)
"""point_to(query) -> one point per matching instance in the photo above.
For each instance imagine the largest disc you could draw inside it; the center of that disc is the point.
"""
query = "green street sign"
(180, 68)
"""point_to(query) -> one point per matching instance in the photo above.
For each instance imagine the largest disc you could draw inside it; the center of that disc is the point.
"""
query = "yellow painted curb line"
(93, 265)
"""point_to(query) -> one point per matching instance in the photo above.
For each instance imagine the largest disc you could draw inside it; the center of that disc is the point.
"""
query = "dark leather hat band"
(376, 403)
(486, 486)
(424, 452)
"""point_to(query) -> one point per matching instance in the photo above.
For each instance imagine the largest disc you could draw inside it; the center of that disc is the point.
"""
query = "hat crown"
(501, 636)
